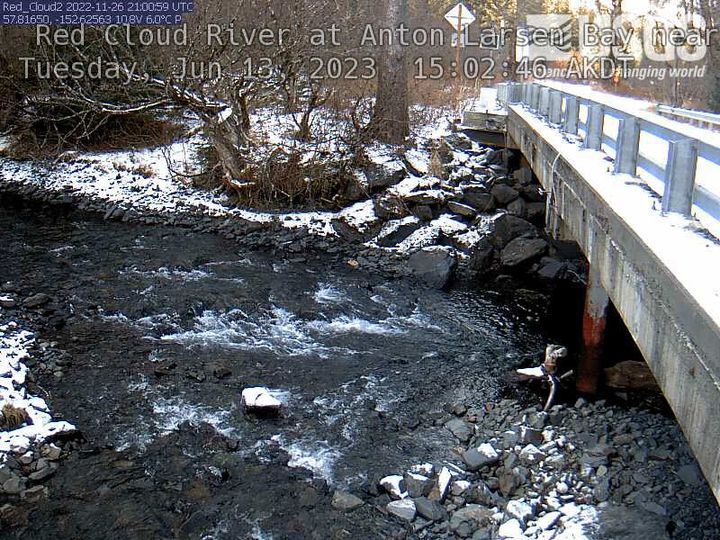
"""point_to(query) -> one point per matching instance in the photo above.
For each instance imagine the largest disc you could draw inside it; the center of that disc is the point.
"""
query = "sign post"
(459, 17)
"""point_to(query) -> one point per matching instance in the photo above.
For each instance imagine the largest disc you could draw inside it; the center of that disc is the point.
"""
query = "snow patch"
(14, 345)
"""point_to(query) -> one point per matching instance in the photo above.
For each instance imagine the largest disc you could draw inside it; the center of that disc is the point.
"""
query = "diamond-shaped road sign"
(460, 16)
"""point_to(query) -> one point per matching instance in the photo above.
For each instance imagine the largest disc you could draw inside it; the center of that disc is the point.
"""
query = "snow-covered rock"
(258, 400)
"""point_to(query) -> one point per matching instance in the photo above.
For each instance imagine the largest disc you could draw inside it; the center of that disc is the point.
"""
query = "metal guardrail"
(677, 174)
(699, 118)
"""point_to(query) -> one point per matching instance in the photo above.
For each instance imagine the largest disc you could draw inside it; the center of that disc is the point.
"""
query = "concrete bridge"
(640, 194)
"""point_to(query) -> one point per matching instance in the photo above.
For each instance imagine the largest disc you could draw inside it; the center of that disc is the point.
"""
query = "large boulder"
(430, 510)
(385, 175)
(479, 200)
(626, 523)
(346, 502)
(504, 194)
(434, 265)
(507, 228)
(482, 257)
(522, 251)
(477, 458)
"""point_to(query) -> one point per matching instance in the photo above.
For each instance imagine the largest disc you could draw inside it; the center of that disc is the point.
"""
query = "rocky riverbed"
(397, 418)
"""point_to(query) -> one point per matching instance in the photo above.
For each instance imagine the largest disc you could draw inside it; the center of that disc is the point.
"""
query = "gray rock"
(461, 429)
(504, 194)
(43, 473)
(537, 420)
(428, 197)
(601, 491)
(483, 534)
(531, 455)
(535, 211)
(459, 487)
(404, 509)
(548, 521)
(442, 483)
(480, 201)
(519, 510)
(389, 207)
(461, 209)
(347, 502)
(556, 461)
(7, 302)
(36, 300)
(5, 474)
(510, 529)
(522, 250)
(551, 269)
(14, 485)
(482, 494)
(380, 176)
(476, 458)
(626, 523)
(34, 494)
(507, 228)
(517, 208)
(690, 474)
(652, 507)
(597, 455)
(530, 435)
(434, 265)
(532, 194)
(510, 438)
(482, 256)
(509, 481)
(466, 520)
(398, 235)
(418, 485)
(394, 485)
(431, 510)
(423, 212)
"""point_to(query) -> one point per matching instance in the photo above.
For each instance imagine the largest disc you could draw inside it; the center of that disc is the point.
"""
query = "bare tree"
(391, 118)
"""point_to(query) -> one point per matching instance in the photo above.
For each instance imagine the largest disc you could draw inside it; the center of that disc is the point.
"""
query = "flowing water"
(164, 327)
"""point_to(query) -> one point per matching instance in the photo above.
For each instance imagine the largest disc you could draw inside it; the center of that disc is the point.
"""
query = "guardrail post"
(510, 93)
(680, 177)
(572, 114)
(555, 107)
(544, 110)
(596, 120)
(515, 93)
(502, 93)
(627, 146)
(535, 98)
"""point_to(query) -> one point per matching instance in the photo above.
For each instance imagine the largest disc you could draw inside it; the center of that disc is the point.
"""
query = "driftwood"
(548, 371)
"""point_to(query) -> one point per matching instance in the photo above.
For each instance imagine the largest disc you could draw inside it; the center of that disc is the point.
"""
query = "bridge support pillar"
(594, 324)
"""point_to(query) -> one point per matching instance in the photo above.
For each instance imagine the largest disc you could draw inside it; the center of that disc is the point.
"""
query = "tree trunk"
(391, 120)
(228, 136)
